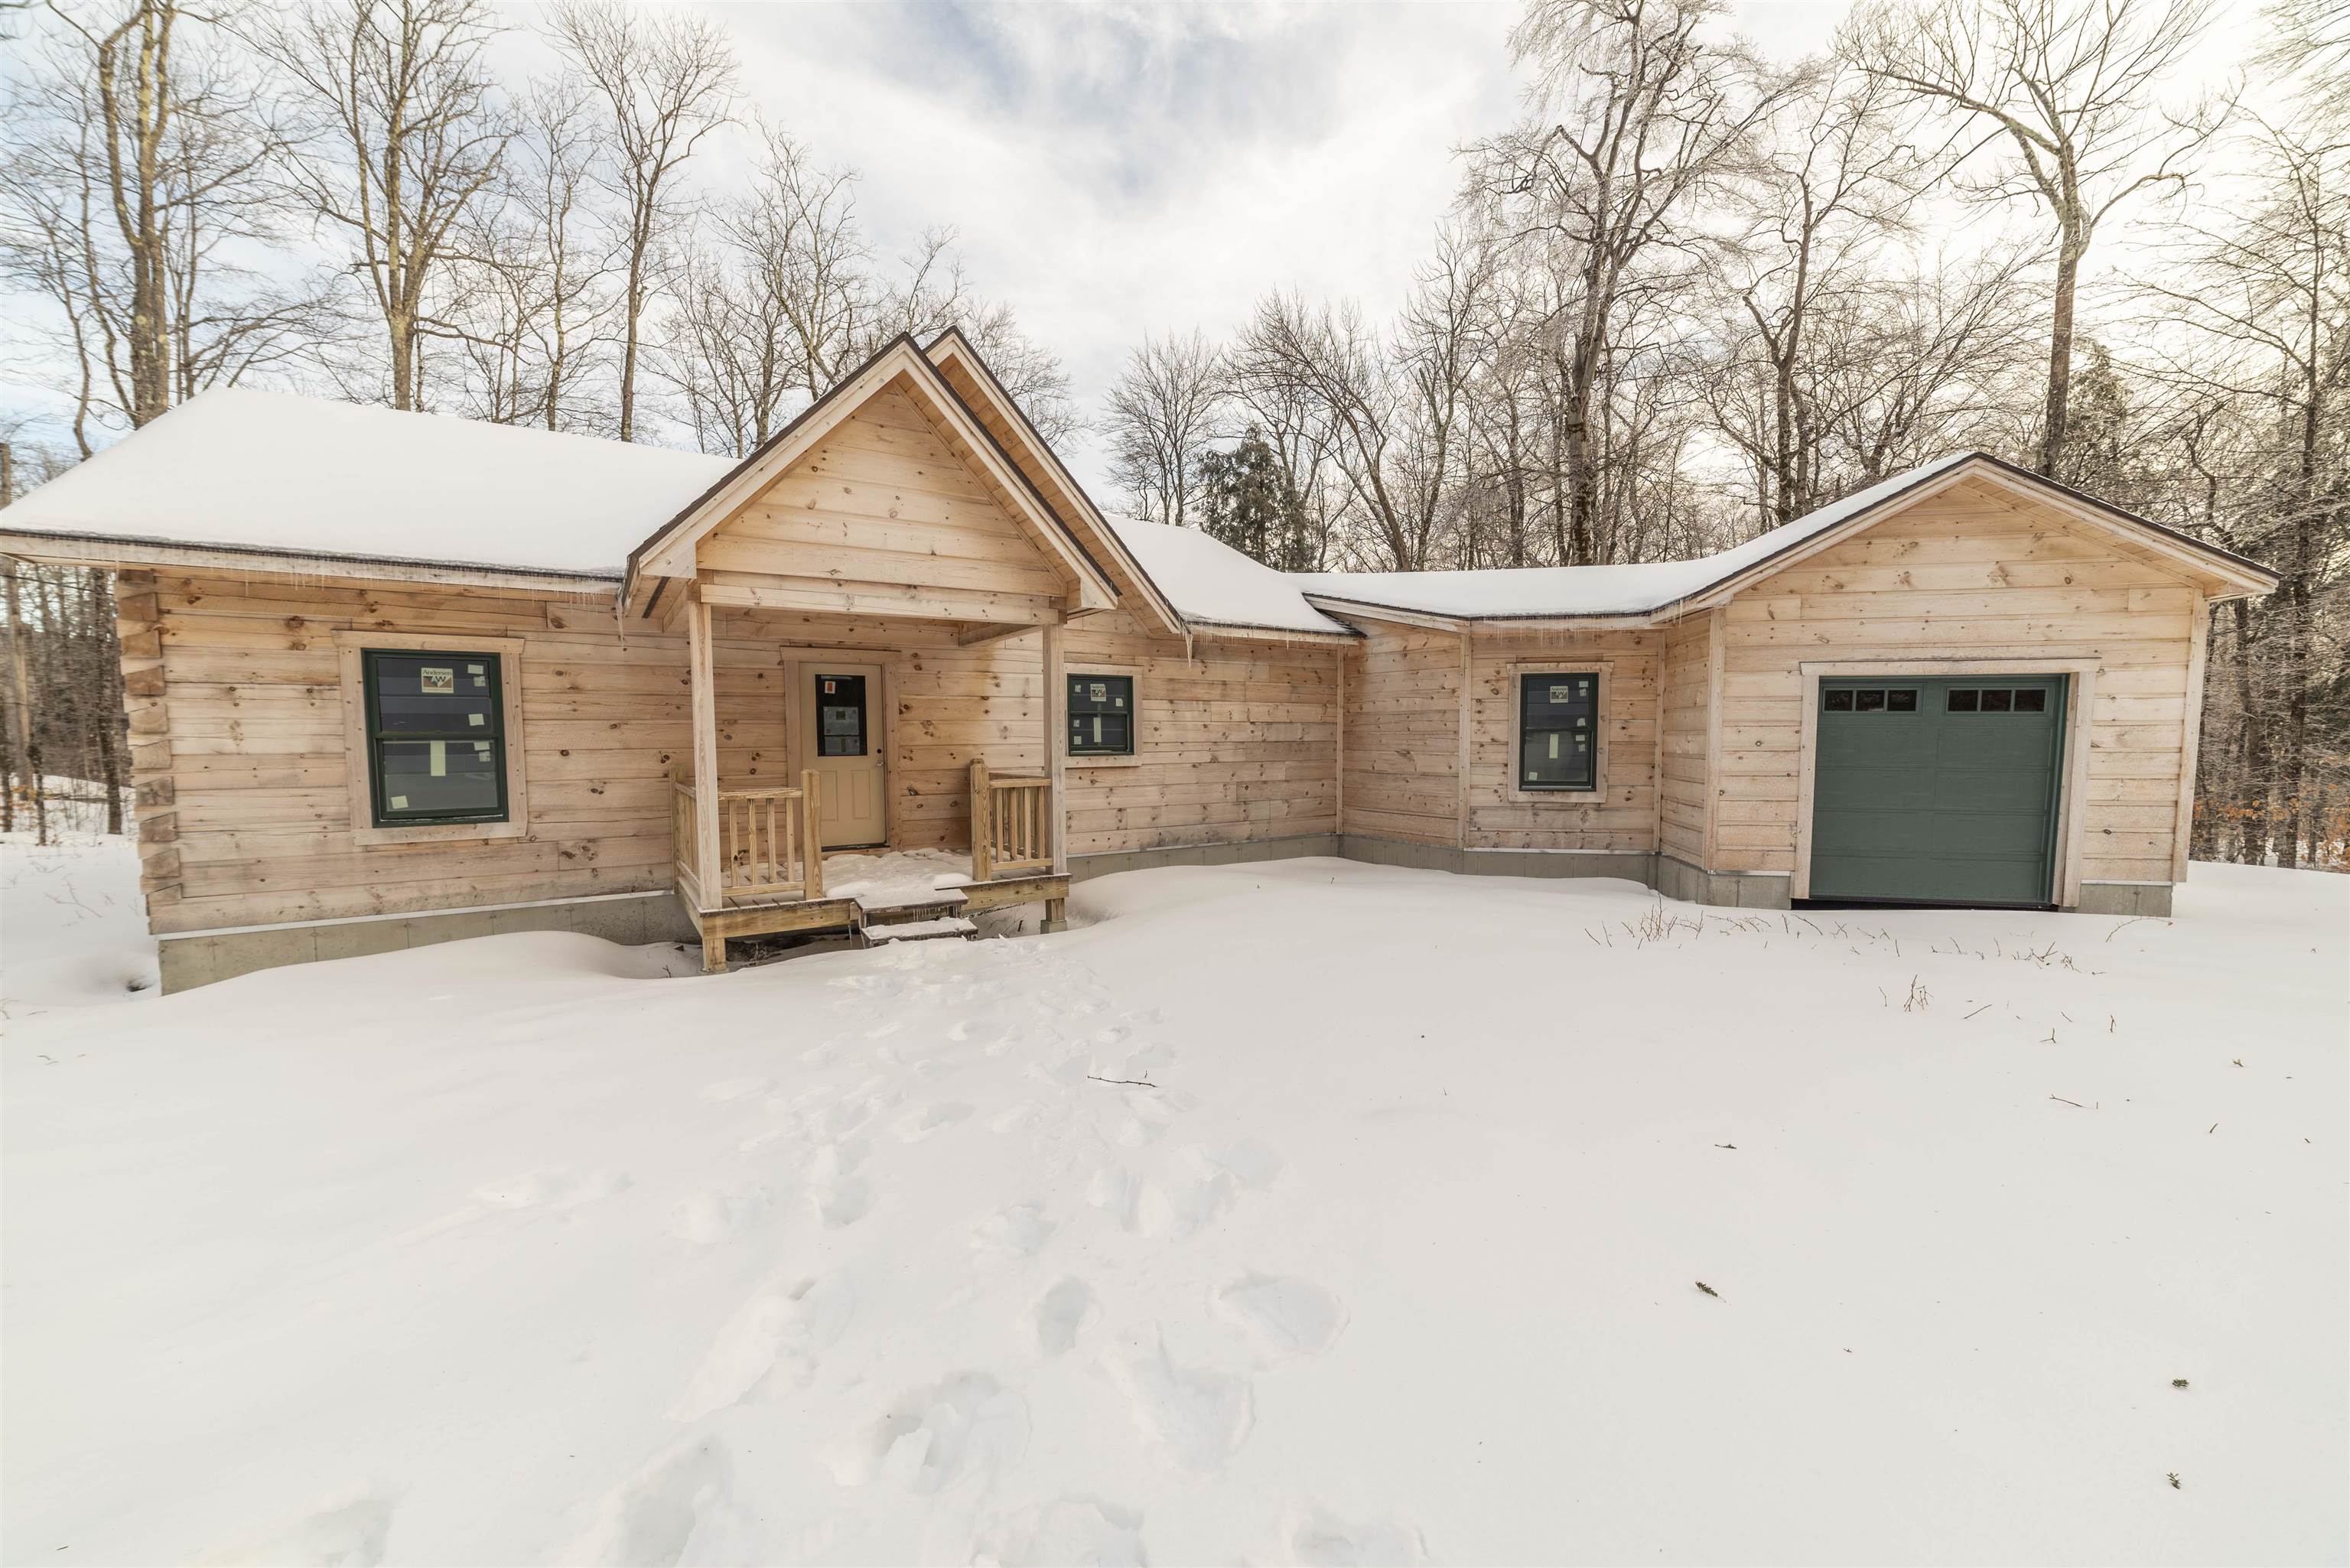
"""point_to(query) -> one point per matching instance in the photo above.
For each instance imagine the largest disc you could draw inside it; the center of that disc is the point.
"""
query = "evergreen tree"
(1251, 505)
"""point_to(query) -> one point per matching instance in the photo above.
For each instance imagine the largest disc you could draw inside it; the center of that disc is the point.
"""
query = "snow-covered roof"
(238, 469)
(1210, 583)
(1541, 592)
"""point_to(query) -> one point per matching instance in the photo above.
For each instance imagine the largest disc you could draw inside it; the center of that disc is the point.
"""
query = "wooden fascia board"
(94, 550)
(1350, 609)
(950, 348)
(1209, 630)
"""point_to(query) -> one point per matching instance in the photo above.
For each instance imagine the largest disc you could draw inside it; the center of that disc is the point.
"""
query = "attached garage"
(1938, 790)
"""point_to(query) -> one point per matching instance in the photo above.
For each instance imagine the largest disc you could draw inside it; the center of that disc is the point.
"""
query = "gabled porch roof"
(670, 552)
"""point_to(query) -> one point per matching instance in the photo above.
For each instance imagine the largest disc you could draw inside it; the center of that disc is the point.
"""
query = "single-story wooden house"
(397, 678)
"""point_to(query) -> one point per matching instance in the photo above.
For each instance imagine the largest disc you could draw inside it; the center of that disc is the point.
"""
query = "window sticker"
(440, 759)
(1098, 691)
(477, 718)
(436, 681)
(1562, 693)
(400, 802)
(1554, 745)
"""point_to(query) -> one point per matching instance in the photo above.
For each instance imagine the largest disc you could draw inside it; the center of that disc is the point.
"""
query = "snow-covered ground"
(1308, 1211)
(73, 929)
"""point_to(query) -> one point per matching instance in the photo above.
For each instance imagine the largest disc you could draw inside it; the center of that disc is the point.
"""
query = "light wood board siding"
(1621, 816)
(1237, 742)
(258, 775)
(1969, 574)
(1403, 734)
(882, 510)
(1686, 697)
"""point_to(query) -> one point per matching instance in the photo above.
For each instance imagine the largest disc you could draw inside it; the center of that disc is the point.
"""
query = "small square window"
(1902, 701)
(2032, 699)
(1839, 702)
(1101, 715)
(1868, 702)
(1995, 700)
(1962, 702)
(840, 716)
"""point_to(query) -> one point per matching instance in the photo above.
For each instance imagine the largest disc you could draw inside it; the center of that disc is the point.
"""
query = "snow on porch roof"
(242, 470)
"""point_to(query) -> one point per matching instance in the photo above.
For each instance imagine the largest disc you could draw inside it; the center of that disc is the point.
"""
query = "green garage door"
(1938, 791)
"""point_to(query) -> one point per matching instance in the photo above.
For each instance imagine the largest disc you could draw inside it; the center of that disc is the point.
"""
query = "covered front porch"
(943, 748)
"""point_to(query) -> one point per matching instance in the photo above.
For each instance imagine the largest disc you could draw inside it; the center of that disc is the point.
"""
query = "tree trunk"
(2060, 356)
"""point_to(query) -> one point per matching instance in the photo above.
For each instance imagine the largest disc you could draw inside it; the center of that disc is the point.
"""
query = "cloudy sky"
(1120, 168)
(1115, 169)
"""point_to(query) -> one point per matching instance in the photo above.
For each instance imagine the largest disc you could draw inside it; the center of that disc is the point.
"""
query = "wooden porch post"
(701, 663)
(1056, 766)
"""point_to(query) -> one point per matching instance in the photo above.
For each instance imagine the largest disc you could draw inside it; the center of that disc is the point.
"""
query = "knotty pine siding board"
(259, 778)
(1968, 573)
(1685, 698)
(1236, 743)
(1403, 735)
(1621, 816)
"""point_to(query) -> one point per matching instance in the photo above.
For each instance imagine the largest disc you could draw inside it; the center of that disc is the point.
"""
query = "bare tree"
(2264, 292)
(1646, 116)
(2065, 86)
(1165, 409)
(134, 163)
(667, 81)
(1836, 183)
(405, 134)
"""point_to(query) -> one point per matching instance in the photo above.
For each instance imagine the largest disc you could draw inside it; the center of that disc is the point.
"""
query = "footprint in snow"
(1315, 1536)
(1011, 1235)
(1194, 1415)
(554, 1187)
(774, 1337)
(840, 1196)
(1117, 1192)
(347, 1532)
(708, 1218)
(1060, 1315)
(923, 1120)
(1282, 1318)
(931, 1438)
(1215, 1178)
(657, 1516)
(1067, 1529)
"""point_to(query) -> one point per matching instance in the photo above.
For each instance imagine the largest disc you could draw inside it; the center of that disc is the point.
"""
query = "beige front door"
(841, 739)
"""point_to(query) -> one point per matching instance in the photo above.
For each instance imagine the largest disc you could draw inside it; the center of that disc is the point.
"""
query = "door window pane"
(1962, 702)
(840, 715)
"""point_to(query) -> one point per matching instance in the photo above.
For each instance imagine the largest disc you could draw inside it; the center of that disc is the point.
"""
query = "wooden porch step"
(949, 903)
(951, 926)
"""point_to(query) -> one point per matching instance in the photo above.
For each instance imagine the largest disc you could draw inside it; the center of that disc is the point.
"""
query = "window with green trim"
(436, 737)
(1559, 731)
(1101, 715)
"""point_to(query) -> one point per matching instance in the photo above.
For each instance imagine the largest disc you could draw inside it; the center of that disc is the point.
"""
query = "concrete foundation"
(1726, 890)
(201, 957)
(2149, 899)
(635, 918)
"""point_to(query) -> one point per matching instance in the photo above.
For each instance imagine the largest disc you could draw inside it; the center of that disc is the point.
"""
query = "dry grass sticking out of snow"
(1302, 1213)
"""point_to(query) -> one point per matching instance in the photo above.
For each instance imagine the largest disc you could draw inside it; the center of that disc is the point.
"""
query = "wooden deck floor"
(847, 916)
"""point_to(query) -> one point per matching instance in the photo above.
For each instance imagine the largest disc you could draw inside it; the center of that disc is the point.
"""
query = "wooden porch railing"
(1012, 824)
(766, 845)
